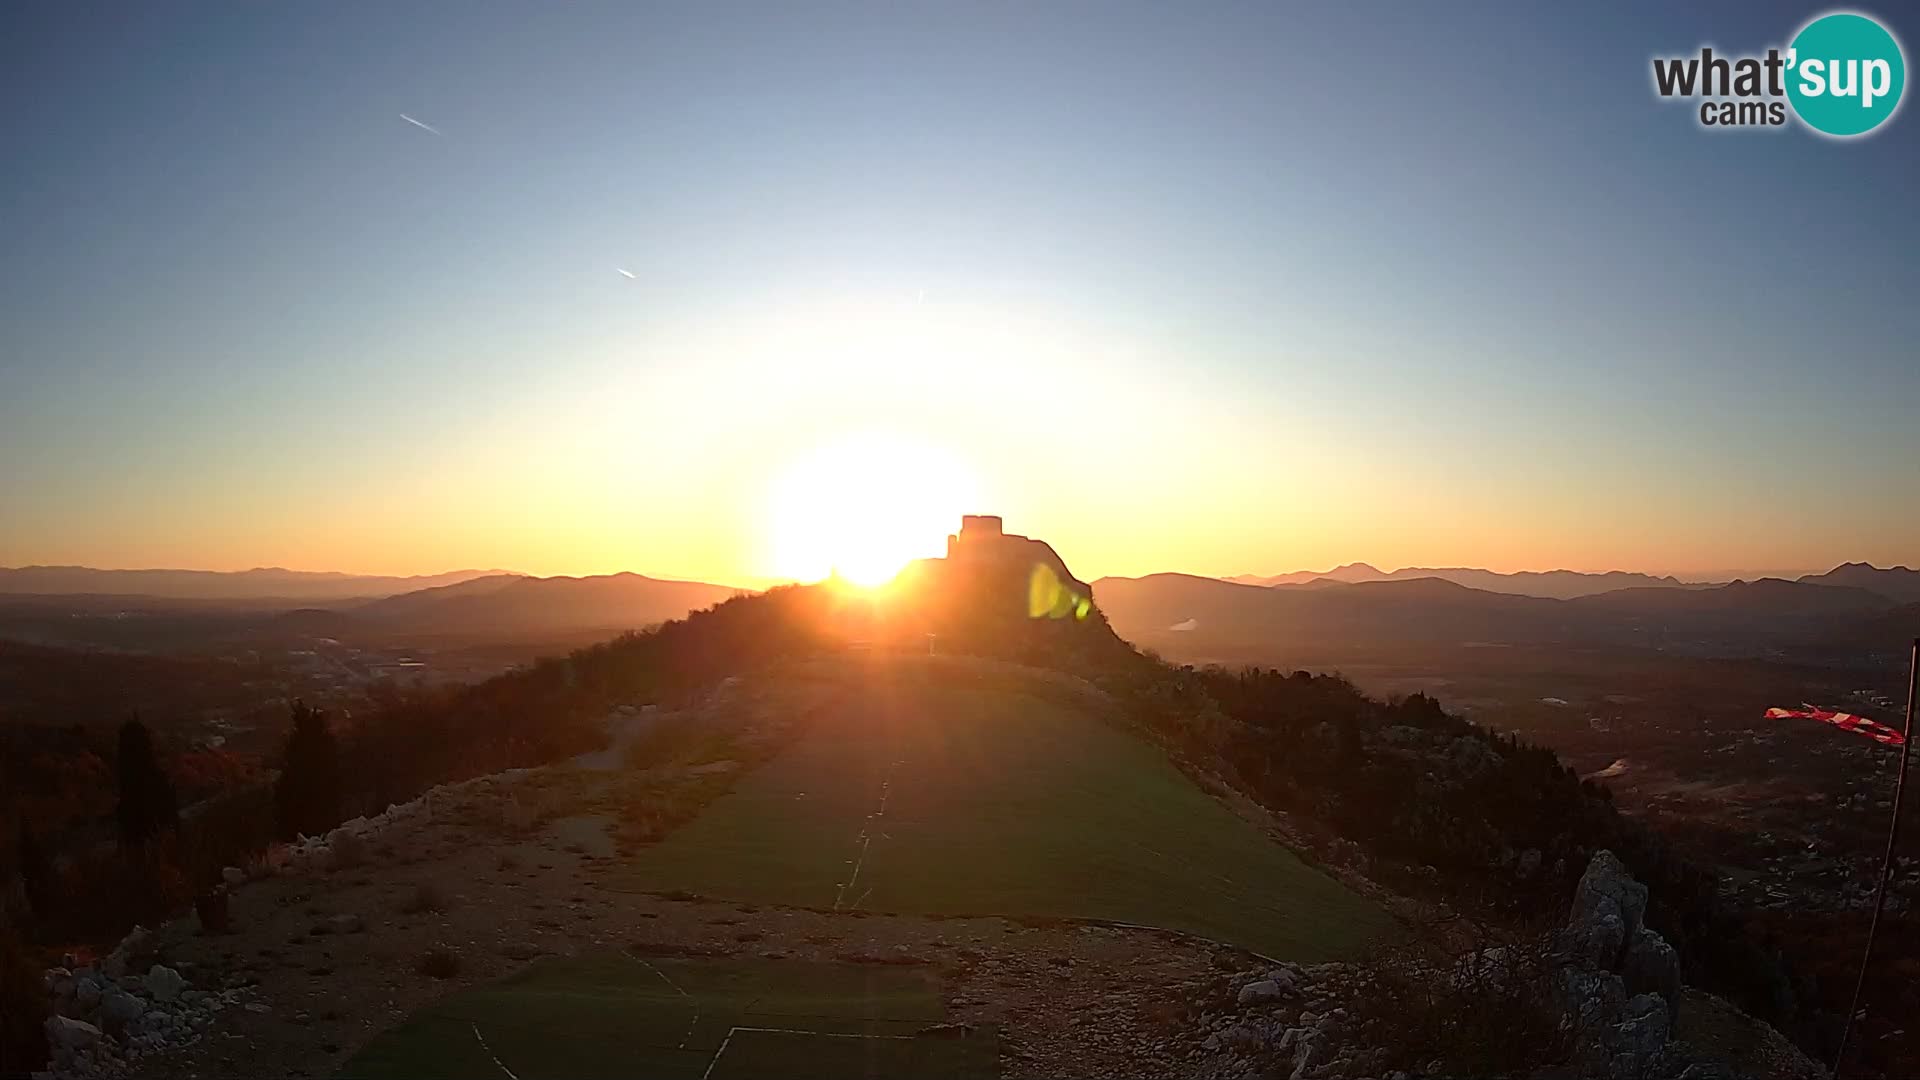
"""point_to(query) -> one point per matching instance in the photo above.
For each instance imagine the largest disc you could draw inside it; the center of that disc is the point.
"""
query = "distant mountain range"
(185, 605)
(1555, 584)
(1356, 602)
(1898, 583)
(1735, 617)
(257, 584)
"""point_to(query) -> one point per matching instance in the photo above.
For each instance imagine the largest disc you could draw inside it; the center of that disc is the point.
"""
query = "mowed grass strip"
(937, 791)
(754, 1053)
(615, 1015)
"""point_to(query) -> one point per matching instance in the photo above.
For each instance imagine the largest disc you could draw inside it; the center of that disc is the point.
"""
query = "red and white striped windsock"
(1859, 725)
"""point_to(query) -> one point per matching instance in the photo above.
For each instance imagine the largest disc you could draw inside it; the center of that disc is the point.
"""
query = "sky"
(1218, 288)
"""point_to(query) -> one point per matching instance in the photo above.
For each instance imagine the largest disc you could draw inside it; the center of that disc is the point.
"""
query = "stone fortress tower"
(984, 543)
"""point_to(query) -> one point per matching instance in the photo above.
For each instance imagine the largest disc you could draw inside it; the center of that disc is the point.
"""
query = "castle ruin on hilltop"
(996, 593)
(1018, 571)
(983, 542)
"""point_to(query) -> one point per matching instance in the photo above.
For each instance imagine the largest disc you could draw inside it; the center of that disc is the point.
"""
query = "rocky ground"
(324, 953)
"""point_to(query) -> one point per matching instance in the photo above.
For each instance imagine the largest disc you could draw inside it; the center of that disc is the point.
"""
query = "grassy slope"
(1003, 795)
(614, 1015)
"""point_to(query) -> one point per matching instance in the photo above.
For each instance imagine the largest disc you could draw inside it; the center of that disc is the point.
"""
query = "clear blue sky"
(1212, 287)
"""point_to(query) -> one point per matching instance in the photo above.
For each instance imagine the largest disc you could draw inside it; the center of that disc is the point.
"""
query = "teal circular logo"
(1845, 74)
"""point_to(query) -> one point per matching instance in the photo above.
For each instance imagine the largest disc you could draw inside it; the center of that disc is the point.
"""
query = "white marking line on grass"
(866, 841)
(688, 1037)
(498, 1064)
(788, 1031)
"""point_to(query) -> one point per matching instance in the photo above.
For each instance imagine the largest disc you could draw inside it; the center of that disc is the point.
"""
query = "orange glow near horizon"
(865, 506)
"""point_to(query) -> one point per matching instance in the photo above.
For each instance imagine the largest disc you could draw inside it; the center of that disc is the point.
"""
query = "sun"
(864, 506)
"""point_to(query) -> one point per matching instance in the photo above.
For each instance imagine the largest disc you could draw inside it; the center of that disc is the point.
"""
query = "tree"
(147, 806)
(36, 873)
(306, 798)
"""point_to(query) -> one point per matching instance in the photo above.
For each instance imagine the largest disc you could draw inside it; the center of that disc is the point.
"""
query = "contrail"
(625, 273)
(418, 124)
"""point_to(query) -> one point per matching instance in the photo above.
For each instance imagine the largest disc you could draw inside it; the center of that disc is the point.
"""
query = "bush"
(1487, 1013)
(230, 831)
(439, 962)
(99, 895)
(23, 1008)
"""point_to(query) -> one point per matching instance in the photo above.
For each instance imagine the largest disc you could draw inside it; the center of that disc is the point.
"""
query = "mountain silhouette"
(1435, 610)
(502, 604)
(1554, 584)
(1899, 582)
(257, 584)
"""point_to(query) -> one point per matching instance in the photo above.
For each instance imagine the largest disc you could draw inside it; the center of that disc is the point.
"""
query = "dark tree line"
(1500, 823)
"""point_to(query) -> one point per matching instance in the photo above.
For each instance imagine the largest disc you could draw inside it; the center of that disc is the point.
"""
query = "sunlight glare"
(865, 506)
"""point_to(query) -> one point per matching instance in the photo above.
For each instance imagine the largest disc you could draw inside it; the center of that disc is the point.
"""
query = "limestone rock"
(64, 1033)
(1650, 966)
(1638, 1038)
(164, 983)
(1589, 998)
(1308, 1053)
(119, 1008)
(1597, 939)
(86, 991)
(1260, 993)
(1607, 887)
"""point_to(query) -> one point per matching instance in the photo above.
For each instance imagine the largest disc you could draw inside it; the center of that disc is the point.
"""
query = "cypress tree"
(147, 805)
(307, 796)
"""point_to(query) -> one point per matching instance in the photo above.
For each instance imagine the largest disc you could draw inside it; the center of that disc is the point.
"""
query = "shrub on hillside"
(201, 774)
(1487, 1013)
(231, 830)
(102, 894)
(23, 1007)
